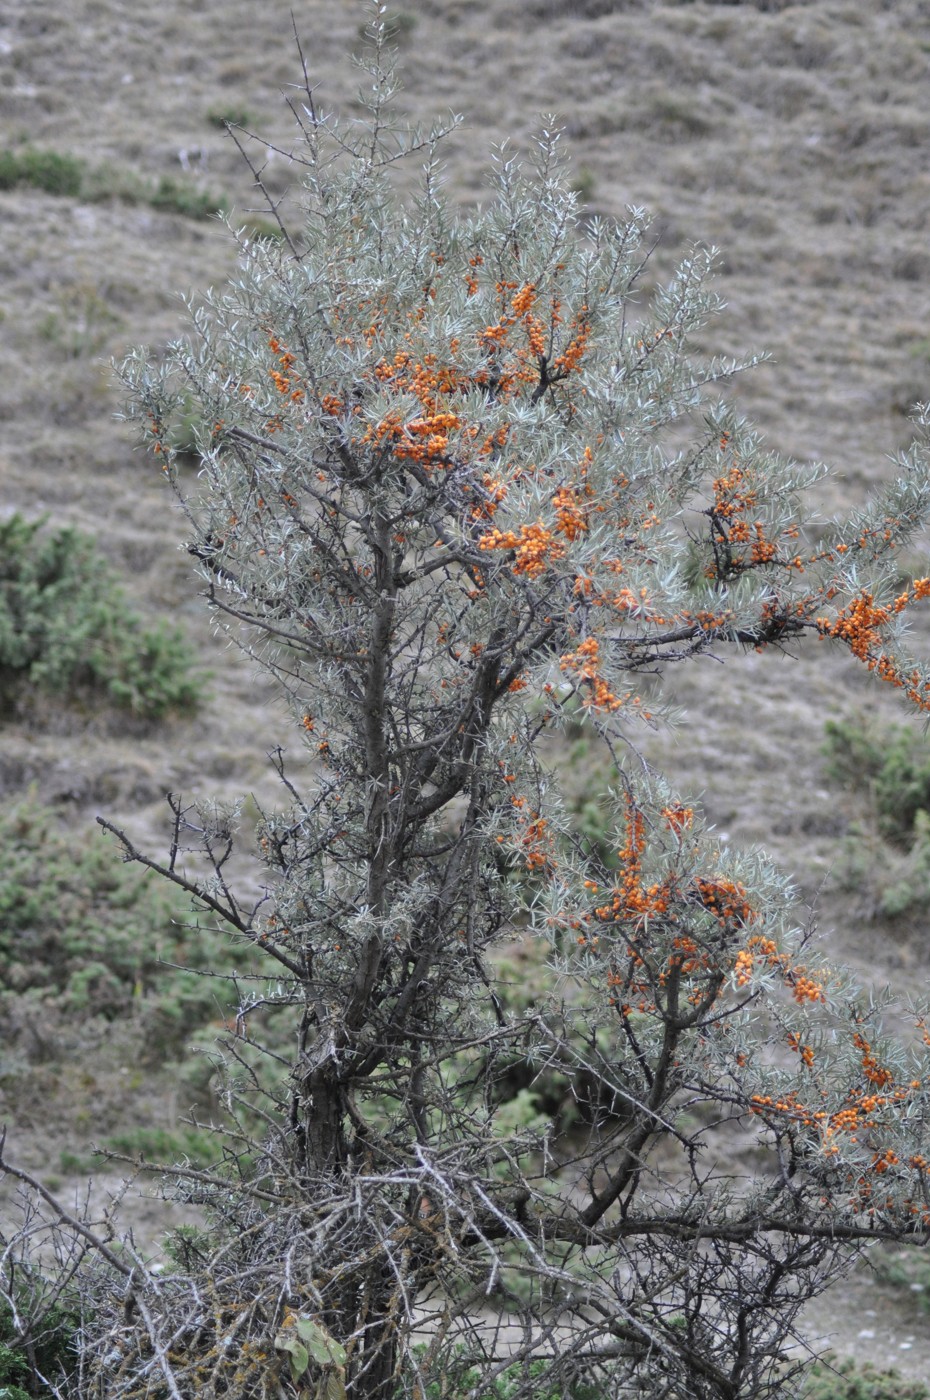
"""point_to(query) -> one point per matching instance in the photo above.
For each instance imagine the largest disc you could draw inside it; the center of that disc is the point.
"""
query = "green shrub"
(180, 197)
(42, 1346)
(65, 627)
(66, 176)
(85, 943)
(194, 1145)
(902, 786)
(81, 325)
(891, 882)
(230, 116)
(906, 880)
(186, 430)
(462, 1379)
(893, 765)
(833, 1379)
(854, 753)
(584, 184)
(44, 170)
(587, 789)
(909, 1270)
(255, 227)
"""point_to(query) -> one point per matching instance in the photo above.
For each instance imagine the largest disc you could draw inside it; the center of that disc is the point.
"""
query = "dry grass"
(794, 137)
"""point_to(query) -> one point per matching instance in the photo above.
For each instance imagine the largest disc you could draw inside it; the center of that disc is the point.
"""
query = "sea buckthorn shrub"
(444, 503)
(67, 629)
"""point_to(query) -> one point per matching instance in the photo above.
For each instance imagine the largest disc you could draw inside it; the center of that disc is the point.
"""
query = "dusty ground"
(794, 137)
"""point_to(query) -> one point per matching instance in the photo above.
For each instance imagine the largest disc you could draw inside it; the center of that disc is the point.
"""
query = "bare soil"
(795, 137)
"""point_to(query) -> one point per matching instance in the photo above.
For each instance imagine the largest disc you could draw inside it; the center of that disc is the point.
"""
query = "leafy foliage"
(465, 1378)
(160, 1145)
(908, 1270)
(66, 176)
(892, 765)
(180, 197)
(833, 1379)
(230, 116)
(82, 324)
(84, 942)
(45, 170)
(890, 769)
(66, 628)
(37, 1340)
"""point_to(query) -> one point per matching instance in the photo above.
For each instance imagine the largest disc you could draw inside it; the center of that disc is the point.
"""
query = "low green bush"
(584, 184)
(891, 883)
(186, 431)
(66, 628)
(39, 1352)
(252, 226)
(892, 765)
(85, 943)
(887, 852)
(81, 325)
(159, 1145)
(230, 116)
(834, 1379)
(180, 197)
(905, 885)
(44, 170)
(461, 1381)
(66, 176)
(904, 1269)
(587, 787)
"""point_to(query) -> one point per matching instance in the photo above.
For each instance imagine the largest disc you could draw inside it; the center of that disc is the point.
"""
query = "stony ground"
(794, 137)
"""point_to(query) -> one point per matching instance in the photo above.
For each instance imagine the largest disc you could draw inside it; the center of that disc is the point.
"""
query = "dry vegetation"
(794, 137)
